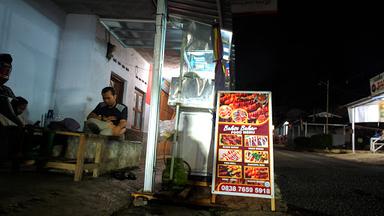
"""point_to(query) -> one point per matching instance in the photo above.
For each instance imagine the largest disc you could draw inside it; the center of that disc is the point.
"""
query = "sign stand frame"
(270, 148)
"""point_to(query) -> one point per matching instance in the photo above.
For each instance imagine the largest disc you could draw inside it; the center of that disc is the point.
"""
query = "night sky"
(305, 43)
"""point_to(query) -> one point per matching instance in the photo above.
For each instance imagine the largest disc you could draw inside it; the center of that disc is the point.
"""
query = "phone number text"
(245, 189)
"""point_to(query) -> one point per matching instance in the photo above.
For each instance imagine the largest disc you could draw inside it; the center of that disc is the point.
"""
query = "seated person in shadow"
(12, 130)
(377, 134)
(109, 117)
(381, 135)
(7, 116)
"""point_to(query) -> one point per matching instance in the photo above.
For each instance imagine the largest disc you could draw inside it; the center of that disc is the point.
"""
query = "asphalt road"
(313, 184)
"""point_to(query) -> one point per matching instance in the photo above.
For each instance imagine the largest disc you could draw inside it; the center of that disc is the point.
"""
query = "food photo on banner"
(243, 155)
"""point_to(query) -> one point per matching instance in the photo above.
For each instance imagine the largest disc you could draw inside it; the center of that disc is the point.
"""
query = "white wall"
(103, 69)
(146, 118)
(32, 37)
(84, 70)
(366, 113)
(74, 76)
(59, 59)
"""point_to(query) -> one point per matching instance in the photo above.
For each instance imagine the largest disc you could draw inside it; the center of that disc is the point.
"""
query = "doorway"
(118, 84)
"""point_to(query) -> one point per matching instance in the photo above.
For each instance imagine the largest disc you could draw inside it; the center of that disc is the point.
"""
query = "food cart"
(193, 95)
(204, 60)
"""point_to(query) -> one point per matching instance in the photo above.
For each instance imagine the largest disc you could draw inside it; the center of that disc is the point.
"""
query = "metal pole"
(218, 3)
(353, 130)
(175, 141)
(326, 120)
(158, 57)
(175, 146)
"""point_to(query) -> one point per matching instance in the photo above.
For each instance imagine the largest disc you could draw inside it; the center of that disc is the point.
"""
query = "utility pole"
(326, 117)
(158, 59)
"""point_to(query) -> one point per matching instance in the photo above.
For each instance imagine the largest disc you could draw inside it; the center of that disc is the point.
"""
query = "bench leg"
(372, 146)
(99, 150)
(375, 149)
(213, 198)
(273, 204)
(80, 158)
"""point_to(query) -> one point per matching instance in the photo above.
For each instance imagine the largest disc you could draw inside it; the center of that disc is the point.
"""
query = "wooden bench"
(79, 166)
(376, 144)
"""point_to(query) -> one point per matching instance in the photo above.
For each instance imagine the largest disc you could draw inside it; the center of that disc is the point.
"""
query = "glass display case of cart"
(195, 87)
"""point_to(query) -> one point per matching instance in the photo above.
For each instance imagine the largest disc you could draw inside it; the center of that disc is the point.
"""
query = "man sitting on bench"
(109, 117)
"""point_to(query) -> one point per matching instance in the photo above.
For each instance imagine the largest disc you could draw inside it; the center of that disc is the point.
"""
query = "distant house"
(310, 125)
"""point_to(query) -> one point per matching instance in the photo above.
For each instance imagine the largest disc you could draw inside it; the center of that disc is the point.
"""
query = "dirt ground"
(360, 156)
(31, 193)
(249, 206)
(56, 194)
(330, 184)
(224, 206)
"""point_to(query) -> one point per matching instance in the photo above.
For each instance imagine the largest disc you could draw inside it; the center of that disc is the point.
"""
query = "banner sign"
(381, 111)
(243, 156)
(377, 84)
